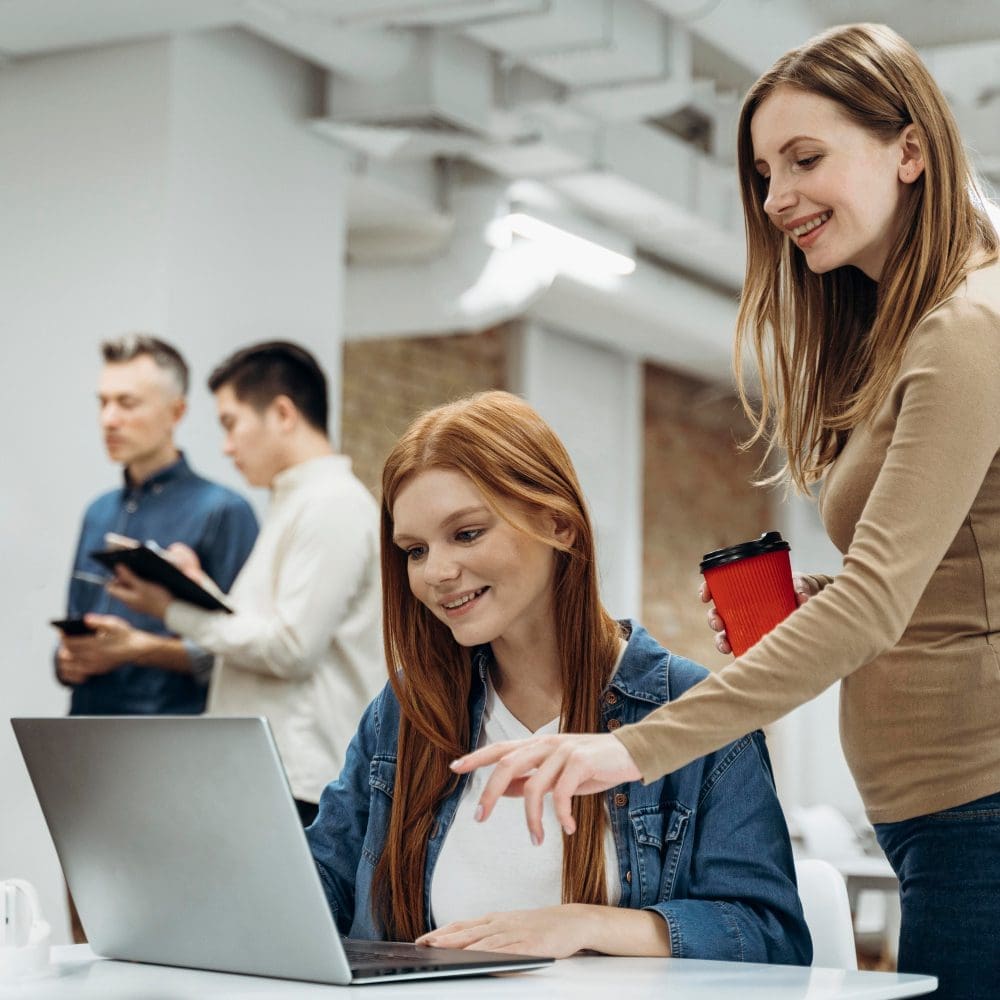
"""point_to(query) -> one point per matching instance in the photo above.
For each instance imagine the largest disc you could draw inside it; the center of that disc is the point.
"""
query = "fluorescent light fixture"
(571, 250)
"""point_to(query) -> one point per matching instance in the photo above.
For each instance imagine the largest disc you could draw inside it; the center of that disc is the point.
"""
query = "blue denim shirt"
(173, 505)
(705, 847)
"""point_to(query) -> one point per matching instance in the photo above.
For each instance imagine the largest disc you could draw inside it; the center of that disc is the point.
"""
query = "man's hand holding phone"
(73, 626)
(111, 642)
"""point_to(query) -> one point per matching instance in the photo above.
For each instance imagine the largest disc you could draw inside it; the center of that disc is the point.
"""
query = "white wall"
(140, 188)
(82, 254)
(592, 397)
(257, 221)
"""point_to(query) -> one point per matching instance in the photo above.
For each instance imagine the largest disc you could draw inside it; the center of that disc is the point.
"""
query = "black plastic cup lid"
(770, 541)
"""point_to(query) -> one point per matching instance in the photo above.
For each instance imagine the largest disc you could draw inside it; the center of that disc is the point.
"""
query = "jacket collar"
(643, 673)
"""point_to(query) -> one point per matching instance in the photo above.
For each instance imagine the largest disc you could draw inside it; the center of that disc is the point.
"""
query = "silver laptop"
(181, 845)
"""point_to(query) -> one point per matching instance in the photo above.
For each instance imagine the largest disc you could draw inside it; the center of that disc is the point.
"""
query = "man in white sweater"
(303, 646)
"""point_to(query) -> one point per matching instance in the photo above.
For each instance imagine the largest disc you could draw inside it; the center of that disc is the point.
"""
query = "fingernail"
(478, 815)
(535, 839)
(567, 831)
(455, 763)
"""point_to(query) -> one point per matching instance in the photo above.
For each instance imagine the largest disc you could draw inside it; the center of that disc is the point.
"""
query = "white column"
(169, 186)
(592, 397)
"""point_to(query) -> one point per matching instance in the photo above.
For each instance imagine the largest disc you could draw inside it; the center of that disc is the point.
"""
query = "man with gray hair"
(131, 665)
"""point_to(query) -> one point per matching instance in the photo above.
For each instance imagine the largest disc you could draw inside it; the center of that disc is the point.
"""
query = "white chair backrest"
(825, 832)
(828, 914)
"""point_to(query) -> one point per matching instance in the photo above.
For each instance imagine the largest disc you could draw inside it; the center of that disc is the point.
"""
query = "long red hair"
(523, 471)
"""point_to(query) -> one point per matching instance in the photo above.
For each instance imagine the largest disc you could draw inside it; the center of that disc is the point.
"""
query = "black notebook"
(150, 565)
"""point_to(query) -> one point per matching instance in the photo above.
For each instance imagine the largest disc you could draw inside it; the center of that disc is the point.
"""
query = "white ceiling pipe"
(584, 42)
(421, 13)
(445, 81)
(751, 33)
(358, 53)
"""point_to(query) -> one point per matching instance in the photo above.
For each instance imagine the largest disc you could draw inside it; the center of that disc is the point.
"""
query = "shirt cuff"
(187, 620)
(202, 661)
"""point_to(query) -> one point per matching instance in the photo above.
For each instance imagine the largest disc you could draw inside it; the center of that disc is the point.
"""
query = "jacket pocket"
(659, 832)
(381, 783)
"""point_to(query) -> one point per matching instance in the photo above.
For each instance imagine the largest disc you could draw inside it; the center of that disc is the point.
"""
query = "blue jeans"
(948, 864)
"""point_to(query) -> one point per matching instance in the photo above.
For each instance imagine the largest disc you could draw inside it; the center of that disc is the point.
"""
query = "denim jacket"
(705, 847)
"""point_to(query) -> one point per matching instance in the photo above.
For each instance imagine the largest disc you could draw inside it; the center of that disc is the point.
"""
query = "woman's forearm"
(615, 931)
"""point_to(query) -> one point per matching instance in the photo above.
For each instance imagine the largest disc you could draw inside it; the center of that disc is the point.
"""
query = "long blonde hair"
(523, 471)
(827, 346)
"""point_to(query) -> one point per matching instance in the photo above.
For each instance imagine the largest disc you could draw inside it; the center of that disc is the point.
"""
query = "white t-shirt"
(493, 866)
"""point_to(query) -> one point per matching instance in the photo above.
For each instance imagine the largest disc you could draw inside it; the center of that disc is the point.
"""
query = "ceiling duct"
(445, 86)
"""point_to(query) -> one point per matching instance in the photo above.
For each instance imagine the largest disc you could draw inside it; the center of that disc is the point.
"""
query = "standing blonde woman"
(872, 307)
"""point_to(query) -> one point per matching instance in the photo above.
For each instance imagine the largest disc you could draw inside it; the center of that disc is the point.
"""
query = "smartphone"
(73, 626)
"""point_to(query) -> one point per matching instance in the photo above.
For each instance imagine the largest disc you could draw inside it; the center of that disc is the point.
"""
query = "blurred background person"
(133, 664)
(304, 646)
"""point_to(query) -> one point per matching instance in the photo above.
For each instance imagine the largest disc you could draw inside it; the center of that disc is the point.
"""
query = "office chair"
(827, 913)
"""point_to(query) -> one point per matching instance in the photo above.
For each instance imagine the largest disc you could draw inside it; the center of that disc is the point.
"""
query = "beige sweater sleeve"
(946, 433)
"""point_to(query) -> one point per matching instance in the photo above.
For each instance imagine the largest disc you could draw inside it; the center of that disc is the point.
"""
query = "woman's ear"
(563, 531)
(911, 158)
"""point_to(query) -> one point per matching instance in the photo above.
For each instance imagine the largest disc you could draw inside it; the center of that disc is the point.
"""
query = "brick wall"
(386, 383)
(696, 497)
(697, 492)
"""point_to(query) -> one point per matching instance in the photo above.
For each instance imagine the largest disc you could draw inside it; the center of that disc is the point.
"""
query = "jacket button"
(621, 799)
(614, 723)
(611, 698)
(628, 876)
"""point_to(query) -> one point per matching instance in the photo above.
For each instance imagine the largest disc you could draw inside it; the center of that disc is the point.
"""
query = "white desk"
(77, 974)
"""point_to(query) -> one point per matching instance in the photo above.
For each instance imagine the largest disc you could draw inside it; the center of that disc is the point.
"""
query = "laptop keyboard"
(389, 958)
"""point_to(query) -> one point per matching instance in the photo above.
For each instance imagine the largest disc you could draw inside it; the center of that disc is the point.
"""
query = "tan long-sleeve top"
(912, 623)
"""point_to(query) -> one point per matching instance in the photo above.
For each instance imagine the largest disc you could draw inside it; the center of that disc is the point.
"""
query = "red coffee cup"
(751, 585)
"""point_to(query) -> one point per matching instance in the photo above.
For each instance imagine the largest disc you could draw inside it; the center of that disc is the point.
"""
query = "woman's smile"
(463, 604)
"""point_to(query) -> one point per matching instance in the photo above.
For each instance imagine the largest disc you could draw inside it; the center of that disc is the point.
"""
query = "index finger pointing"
(482, 757)
(507, 776)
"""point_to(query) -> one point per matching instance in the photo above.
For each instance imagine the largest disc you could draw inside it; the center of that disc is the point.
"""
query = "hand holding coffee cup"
(804, 589)
(753, 589)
